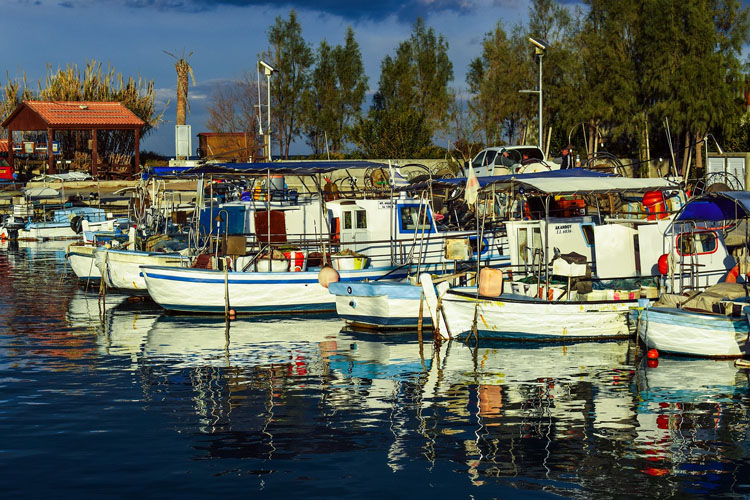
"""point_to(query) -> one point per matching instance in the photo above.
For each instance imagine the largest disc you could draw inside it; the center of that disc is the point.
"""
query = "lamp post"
(539, 47)
(705, 144)
(268, 71)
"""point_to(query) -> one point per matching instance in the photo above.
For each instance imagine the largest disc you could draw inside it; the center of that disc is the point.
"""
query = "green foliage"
(291, 57)
(616, 71)
(413, 98)
(334, 99)
(392, 133)
(93, 84)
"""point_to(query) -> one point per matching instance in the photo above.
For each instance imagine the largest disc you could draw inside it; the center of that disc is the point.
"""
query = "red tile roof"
(88, 114)
(3, 145)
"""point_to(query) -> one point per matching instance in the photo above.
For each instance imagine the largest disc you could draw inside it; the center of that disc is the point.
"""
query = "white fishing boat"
(80, 257)
(714, 322)
(560, 259)
(379, 305)
(65, 223)
(361, 238)
(215, 291)
(120, 269)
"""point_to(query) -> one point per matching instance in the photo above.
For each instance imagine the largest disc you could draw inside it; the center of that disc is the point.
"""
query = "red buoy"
(652, 354)
(663, 263)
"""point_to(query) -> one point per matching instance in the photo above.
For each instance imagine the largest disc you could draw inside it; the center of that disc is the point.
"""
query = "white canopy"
(585, 185)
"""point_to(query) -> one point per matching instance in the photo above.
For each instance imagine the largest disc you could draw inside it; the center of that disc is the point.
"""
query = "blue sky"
(225, 37)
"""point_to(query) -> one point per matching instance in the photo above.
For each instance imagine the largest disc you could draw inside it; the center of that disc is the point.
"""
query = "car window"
(478, 160)
(490, 158)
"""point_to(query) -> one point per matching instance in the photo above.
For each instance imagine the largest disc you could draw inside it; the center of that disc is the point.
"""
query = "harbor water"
(114, 398)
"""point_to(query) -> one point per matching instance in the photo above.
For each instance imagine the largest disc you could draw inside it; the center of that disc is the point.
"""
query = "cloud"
(404, 10)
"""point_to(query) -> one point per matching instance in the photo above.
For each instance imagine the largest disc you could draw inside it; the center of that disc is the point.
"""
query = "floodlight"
(539, 43)
(267, 69)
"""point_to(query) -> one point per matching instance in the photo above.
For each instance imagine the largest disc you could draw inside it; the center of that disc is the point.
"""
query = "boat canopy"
(258, 169)
(719, 206)
(566, 182)
(281, 168)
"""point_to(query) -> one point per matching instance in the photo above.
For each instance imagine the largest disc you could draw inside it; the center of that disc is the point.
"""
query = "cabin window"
(347, 220)
(588, 234)
(361, 219)
(410, 219)
(696, 243)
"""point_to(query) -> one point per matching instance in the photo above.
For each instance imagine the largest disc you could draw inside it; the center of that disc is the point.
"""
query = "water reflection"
(300, 402)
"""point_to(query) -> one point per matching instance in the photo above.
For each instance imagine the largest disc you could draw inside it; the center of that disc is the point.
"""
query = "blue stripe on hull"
(323, 307)
(234, 281)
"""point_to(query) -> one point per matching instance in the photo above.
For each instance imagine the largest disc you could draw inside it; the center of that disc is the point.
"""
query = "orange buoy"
(327, 275)
(652, 354)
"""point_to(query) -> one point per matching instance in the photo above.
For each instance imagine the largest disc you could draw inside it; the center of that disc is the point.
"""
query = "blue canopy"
(725, 205)
(281, 168)
(275, 168)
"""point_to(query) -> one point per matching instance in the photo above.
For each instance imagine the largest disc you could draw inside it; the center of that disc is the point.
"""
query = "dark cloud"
(351, 10)
(67, 5)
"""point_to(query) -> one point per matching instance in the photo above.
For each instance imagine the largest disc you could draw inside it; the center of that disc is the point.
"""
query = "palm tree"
(183, 70)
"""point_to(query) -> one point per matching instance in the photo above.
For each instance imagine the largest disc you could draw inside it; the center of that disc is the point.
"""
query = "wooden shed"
(74, 115)
(225, 146)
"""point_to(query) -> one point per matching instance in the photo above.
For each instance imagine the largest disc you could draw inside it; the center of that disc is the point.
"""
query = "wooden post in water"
(226, 290)
(421, 312)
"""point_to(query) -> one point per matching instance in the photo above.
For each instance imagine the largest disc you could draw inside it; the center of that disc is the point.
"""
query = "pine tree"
(291, 57)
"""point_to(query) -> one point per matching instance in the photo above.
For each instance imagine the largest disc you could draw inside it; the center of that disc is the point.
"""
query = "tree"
(184, 70)
(688, 57)
(95, 84)
(494, 80)
(13, 94)
(608, 83)
(334, 99)
(291, 57)
(413, 98)
(232, 108)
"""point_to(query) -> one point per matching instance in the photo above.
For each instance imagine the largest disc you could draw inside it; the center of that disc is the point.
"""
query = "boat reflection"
(686, 408)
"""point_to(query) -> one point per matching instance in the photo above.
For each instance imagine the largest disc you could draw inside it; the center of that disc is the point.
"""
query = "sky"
(225, 38)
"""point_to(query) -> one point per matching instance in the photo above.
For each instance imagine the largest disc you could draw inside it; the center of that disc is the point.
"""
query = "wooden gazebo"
(79, 115)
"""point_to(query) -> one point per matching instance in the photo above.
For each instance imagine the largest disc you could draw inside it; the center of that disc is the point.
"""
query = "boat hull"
(121, 269)
(525, 318)
(692, 333)
(205, 291)
(380, 305)
(82, 262)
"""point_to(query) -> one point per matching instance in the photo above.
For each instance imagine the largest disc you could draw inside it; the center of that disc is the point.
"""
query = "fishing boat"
(557, 261)
(713, 322)
(64, 223)
(343, 240)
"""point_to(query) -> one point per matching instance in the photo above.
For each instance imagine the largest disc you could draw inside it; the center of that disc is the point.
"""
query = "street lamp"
(539, 47)
(705, 143)
(268, 71)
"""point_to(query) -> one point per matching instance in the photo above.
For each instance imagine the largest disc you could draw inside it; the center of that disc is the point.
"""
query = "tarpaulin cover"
(726, 205)
(567, 181)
